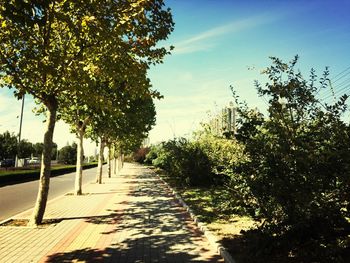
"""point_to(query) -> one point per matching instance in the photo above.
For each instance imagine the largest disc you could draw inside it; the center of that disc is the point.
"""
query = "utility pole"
(20, 131)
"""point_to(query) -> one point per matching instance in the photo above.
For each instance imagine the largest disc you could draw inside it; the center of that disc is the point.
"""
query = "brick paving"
(128, 218)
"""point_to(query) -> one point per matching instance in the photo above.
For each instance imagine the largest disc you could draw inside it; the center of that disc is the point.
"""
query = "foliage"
(38, 149)
(298, 168)
(289, 170)
(68, 154)
(21, 175)
(185, 161)
(225, 156)
(25, 149)
(140, 154)
(8, 145)
(58, 50)
(152, 154)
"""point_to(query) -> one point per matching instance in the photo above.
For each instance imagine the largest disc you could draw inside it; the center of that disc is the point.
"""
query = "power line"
(338, 85)
(346, 91)
(335, 91)
(335, 79)
(264, 100)
(343, 83)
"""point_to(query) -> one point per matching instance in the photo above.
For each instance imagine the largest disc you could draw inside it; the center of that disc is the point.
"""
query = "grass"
(247, 242)
(204, 202)
(29, 170)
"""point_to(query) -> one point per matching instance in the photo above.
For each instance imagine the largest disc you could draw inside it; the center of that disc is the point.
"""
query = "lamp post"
(20, 131)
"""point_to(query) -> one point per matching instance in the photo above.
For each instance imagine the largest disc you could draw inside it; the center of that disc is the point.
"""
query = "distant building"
(225, 121)
(146, 142)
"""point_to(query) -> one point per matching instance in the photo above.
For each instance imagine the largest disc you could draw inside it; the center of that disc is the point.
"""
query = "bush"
(12, 177)
(152, 154)
(183, 160)
(289, 169)
(298, 168)
(225, 157)
(140, 154)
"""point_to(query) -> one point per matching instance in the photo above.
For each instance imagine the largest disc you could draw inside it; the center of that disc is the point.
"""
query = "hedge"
(13, 177)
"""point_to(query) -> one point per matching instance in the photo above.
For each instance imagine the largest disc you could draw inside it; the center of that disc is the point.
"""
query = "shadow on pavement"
(137, 250)
(152, 228)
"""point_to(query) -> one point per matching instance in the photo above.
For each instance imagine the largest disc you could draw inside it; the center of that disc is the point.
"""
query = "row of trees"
(9, 147)
(290, 170)
(85, 63)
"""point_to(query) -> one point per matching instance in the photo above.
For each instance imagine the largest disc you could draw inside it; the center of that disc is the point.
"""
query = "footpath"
(131, 217)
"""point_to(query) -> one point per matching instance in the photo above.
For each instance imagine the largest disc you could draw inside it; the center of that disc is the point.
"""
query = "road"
(20, 197)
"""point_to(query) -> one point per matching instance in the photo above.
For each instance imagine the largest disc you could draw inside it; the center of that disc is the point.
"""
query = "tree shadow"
(145, 249)
(152, 227)
(255, 246)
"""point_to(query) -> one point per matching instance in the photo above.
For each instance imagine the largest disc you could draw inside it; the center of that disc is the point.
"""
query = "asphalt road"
(20, 197)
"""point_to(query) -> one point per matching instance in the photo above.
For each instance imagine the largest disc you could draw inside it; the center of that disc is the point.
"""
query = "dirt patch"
(72, 194)
(25, 222)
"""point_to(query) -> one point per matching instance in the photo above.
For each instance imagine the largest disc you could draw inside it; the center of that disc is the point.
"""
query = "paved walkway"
(128, 218)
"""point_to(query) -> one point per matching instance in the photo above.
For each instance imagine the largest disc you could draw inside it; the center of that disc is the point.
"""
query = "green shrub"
(152, 154)
(16, 176)
(225, 157)
(184, 161)
(298, 168)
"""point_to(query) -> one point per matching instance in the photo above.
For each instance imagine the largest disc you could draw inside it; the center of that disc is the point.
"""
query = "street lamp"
(20, 131)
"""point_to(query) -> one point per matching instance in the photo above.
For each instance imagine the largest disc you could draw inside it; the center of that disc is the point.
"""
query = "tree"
(68, 154)
(43, 45)
(298, 166)
(126, 131)
(119, 66)
(54, 151)
(38, 149)
(25, 149)
(115, 94)
(8, 145)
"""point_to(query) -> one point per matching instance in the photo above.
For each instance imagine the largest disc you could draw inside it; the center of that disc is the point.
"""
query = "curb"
(207, 233)
(27, 210)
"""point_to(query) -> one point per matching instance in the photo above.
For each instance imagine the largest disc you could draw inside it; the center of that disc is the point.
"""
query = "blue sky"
(223, 43)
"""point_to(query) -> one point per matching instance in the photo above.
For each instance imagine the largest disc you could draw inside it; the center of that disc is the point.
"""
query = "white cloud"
(201, 41)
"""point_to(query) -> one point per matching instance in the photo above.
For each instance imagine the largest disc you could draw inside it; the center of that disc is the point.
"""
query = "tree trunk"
(122, 159)
(80, 159)
(100, 163)
(45, 171)
(109, 165)
(118, 163)
(115, 166)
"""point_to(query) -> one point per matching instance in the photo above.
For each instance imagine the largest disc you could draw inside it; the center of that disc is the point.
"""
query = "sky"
(228, 42)
(218, 44)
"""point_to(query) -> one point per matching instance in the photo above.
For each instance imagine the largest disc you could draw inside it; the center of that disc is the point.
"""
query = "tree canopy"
(56, 49)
